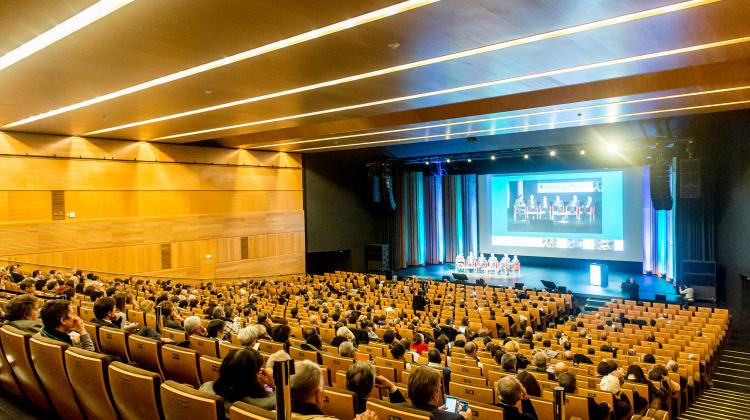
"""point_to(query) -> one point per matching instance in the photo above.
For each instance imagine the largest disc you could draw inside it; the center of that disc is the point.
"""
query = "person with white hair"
(192, 325)
(511, 391)
(307, 390)
(342, 334)
(248, 336)
(622, 407)
(347, 349)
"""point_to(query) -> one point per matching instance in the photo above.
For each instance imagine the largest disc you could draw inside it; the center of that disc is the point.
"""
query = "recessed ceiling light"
(421, 63)
(527, 126)
(427, 162)
(525, 77)
(448, 160)
(79, 21)
(255, 52)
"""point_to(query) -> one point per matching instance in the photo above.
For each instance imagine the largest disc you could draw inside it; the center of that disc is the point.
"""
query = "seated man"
(106, 315)
(510, 391)
(21, 313)
(508, 363)
(307, 391)
(347, 349)
(59, 321)
(192, 325)
(598, 411)
(361, 377)
(426, 394)
(435, 361)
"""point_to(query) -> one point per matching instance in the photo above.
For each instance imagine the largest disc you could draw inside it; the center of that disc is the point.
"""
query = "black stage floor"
(577, 281)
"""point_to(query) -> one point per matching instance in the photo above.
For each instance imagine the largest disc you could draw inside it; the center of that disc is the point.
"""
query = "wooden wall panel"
(126, 209)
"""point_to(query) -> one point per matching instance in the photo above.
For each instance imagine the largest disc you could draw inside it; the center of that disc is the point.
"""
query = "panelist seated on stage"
(460, 262)
(515, 263)
(545, 204)
(532, 205)
(471, 261)
(481, 262)
(492, 263)
(558, 205)
(520, 203)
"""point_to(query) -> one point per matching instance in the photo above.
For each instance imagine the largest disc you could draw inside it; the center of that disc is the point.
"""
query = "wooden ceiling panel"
(149, 39)
(23, 20)
(146, 39)
(441, 28)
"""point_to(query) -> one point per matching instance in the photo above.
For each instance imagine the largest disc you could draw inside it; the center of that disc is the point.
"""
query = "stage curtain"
(433, 210)
(413, 220)
(658, 232)
(460, 215)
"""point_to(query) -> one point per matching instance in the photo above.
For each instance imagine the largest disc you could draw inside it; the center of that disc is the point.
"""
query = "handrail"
(108, 274)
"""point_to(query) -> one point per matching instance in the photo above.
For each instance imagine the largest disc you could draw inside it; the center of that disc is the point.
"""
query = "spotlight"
(553, 153)
(526, 156)
(427, 162)
(448, 160)
(468, 160)
(492, 157)
(612, 147)
(582, 152)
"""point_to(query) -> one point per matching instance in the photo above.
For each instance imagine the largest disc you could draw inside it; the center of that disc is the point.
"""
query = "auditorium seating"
(88, 376)
(675, 329)
(245, 411)
(49, 362)
(181, 402)
(135, 392)
(16, 346)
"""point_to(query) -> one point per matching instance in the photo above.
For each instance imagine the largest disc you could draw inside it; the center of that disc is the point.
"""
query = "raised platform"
(576, 281)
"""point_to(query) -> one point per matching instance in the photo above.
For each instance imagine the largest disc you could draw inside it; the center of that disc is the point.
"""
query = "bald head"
(560, 368)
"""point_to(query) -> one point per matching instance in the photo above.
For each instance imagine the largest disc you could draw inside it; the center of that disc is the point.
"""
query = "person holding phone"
(426, 393)
(511, 391)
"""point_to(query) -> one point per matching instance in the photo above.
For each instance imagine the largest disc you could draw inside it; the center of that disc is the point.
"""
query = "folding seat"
(87, 372)
(16, 347)
(114, 341)
(209, 368)
(245, 411)
(339, 403)
(335, 363)
(481, 411)
(472, 393)
(135, 392)
(180, 364)
(175, 335)
(181, 402)
(204, 346)
(390, 411)
(146, 352)
(49, 362)
(93, 331)
(7, 378)
(225, 348)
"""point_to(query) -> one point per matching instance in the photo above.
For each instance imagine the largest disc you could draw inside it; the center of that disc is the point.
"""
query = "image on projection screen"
(557, 205)
(570, 210)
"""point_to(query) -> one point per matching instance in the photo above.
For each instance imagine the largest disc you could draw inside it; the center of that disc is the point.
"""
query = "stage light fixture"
(526, 156)
(448, 160)
(582, 152)
(492, 157)
(553, 152)
(468, 160)
(427, 162)
(613, 147)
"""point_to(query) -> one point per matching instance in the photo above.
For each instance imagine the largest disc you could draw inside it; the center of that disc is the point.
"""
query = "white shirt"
(689, 293)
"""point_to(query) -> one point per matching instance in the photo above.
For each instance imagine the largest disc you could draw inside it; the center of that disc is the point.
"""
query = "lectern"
(598, 275)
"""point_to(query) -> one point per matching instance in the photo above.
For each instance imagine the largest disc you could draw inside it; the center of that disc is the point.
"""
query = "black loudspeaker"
(701, 275)
(388, 191)
(377, 258)
(480, 282)
(661, 193)
(660, 298)
(374, 181)
(518, 286)
(690, 178)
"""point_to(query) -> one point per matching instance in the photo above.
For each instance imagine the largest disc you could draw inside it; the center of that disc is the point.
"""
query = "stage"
(576, 281)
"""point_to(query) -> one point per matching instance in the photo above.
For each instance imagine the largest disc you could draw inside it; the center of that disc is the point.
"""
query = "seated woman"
(22, 313)
(314, 343)
(655, 396)
(530, 383)
(243, 378)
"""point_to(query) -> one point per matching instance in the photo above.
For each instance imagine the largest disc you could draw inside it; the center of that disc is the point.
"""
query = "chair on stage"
(482, 263)
(471, 263)
(460, 263)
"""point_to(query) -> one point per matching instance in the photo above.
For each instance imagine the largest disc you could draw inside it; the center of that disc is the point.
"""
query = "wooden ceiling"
(574, 79)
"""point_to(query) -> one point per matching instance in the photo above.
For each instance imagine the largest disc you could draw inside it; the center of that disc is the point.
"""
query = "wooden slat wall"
(126, 211)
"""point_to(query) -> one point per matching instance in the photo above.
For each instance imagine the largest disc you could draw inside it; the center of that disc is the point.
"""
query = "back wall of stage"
(129, 207)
